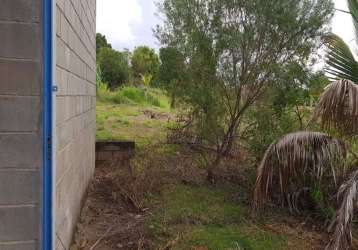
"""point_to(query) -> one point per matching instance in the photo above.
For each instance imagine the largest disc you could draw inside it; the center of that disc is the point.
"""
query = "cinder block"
(63, 54)
(60, 110)
(19, 40)
(20, 77)
(58, 21)
(30, 245)
(61, 81)
(20, 114)
(19, 187)
(68, 200)
(61, 4)
(69, 107)
(58, 245)
(76, 135)
(20, 150)
(19, 223)
(65, 26)
(20, 10)
(104, 156)
(64, 134)
(63, 161)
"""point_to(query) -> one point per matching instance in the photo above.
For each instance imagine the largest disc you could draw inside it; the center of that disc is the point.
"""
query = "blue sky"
(129, 23)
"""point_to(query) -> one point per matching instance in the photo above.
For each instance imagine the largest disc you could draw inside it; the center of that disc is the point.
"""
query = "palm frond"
(348, 197)
(296, 158)
(353, 10)
(341, 63)
(338, 107)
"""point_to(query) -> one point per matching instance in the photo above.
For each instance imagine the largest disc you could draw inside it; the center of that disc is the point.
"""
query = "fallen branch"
(101, 238)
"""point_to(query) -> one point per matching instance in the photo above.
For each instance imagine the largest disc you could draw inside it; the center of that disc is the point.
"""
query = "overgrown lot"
(175, 207)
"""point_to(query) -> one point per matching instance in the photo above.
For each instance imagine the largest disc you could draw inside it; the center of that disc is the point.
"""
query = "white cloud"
(128, 23)
(117, 20)
(342, 22)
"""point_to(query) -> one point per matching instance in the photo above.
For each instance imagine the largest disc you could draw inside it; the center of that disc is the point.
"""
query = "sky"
(129, 23)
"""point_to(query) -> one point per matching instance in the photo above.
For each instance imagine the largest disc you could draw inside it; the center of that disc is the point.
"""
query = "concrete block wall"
(75, 101)
(20, 124)
(114, 154)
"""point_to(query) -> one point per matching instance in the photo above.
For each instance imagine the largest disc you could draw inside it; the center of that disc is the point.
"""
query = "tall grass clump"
(102, 90)
(138, 96)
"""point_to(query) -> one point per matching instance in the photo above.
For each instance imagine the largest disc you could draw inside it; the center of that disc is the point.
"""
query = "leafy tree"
(232, 48)
(171, 71)
(101, 42)
(114, 67)
(285, 107)
(144, 61)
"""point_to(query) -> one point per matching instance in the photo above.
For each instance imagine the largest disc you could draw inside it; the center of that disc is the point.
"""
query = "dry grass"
(297, 161)
(347, 197)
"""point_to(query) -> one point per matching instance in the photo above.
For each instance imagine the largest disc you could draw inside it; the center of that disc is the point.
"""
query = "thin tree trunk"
(223, 150)
(173, 101)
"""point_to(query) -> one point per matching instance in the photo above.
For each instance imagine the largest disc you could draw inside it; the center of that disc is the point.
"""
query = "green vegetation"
(101, 42)
(144, 62)
(114, 66)
(130, 123)
(239, 75)
(171, 72)
(202, 215)
(134, 96)
(218, 237)
(230, 62)
(119, 68)
(205, 217)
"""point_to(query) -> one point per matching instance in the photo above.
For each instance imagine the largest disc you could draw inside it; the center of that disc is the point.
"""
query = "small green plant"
(147, 79)
(102, 90)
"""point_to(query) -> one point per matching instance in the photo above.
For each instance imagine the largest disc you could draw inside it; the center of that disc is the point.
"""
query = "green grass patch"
(128, 122)
(205, 217)
(133, 96)
(103, 135)
(200, 205)
(217, 237)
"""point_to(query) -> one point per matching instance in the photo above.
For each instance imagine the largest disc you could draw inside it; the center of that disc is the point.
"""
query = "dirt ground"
(106, 222)
(109, 223)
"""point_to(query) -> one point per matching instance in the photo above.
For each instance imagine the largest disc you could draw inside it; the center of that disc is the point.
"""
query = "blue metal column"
(47, 200)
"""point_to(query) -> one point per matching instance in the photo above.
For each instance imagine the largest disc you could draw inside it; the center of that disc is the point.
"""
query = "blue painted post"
(47, 216)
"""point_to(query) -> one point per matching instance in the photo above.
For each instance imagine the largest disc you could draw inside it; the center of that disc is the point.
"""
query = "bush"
(115, 67)
(134, 94)
(267, 126)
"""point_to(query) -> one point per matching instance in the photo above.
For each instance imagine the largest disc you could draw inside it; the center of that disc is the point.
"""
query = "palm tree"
(337, 109)
(296, 164)
(340, 59)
